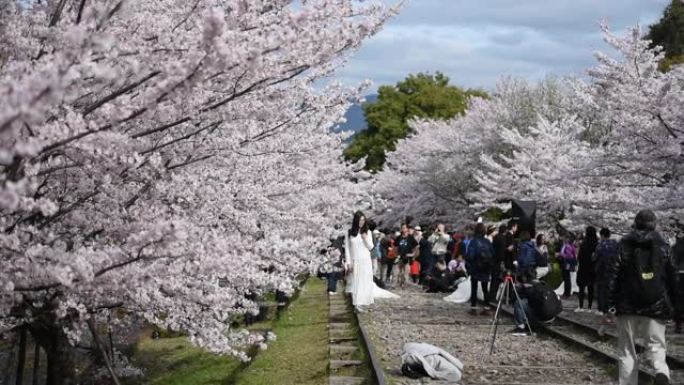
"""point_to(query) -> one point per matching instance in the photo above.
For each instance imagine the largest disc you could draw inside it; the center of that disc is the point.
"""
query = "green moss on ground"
(298, 356)
(174, 361)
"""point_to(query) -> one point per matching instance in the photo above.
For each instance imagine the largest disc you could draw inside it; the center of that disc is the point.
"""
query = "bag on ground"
(544, 301)
(438, 364)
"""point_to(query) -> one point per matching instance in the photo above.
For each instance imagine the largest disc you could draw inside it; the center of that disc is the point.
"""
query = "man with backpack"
(641, 290)
(480, 262)
(538, 303)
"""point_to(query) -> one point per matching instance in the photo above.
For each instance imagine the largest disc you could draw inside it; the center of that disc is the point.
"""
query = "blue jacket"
(477, 248)
(527, 256)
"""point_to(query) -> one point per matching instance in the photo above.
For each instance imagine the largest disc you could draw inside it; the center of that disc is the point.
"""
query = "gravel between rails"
(422, 317)
(675, 342)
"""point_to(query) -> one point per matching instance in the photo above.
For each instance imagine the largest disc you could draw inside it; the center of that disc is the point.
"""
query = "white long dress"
(361, 286)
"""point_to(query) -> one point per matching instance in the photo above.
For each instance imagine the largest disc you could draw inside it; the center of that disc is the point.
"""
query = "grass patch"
(174, 361)
(300, 354)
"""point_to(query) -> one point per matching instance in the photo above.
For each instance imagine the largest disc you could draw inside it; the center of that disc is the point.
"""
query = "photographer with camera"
(439, 240)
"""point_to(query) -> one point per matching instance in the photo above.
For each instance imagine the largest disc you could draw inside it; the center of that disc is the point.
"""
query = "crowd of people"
(638, 281)
(438, 261)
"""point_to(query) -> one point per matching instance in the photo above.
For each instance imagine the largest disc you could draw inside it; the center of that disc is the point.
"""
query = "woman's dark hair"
(525, 235)
(605, 232)
(480, 230)
(590, 236)
(540, 238)
(503, 229)
(354, 231)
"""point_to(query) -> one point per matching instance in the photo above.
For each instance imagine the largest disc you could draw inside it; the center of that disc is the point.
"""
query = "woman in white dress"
(358, 244)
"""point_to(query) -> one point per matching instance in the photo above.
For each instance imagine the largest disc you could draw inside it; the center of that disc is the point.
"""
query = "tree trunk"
(100, 345)
(21, 364)
(61, 368)
(36, 364)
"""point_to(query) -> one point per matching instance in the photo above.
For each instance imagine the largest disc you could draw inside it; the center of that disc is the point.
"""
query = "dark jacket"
(476, 247)
(678, 255)
(527, 256)
(604, 255)
(586, 270)
(624, 292)
(509, 256)
(425, 253)
(499, 244)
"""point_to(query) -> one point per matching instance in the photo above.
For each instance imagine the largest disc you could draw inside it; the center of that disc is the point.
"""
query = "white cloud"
(477, 42)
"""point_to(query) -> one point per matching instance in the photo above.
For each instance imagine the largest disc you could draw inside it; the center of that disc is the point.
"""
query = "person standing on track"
(358, 244)
(606, 252)
(586, 274)
(407, 246)
(641, 288)
(480, 262)
(568, 260)
(439, 240)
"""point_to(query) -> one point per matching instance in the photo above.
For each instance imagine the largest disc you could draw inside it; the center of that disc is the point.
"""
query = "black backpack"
(544, 302)
(484, 256)
(647, 274)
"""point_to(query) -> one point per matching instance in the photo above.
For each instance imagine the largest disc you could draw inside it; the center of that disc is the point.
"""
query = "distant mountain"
(356, 121)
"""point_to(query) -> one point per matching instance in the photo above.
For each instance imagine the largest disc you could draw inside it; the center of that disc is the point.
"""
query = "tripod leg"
(495, 323)
(517, 297)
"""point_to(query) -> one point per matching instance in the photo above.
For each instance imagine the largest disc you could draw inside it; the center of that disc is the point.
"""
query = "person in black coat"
(440, 279)
(606, 252)
(641, 289)
(499, 244)
(586, 271)
(678, 256)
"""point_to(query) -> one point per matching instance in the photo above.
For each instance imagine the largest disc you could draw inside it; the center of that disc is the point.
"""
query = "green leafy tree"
(418, 96)
(668, 33)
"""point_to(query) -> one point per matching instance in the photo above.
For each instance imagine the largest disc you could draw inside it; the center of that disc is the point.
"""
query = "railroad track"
(375, 363)
(674, 361)
(420, 317)
(429, 320)
(600, 343)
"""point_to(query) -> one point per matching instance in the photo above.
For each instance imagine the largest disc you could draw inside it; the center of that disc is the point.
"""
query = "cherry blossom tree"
(167, 159)
(619, 152)
(433, 174)
(588, 151)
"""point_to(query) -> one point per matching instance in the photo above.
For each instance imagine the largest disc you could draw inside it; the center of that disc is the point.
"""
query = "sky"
(475, 42)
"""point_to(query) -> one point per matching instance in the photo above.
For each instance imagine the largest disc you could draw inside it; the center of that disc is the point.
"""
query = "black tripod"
(504, 292)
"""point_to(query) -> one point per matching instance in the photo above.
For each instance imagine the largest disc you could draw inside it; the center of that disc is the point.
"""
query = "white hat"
(417, 228)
